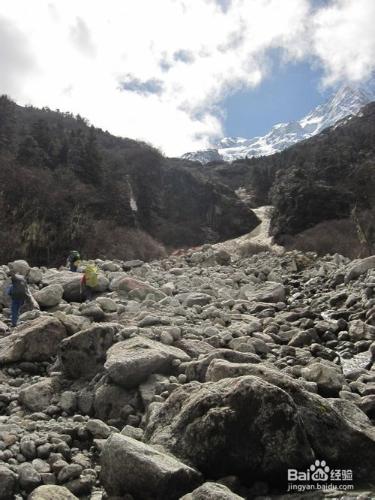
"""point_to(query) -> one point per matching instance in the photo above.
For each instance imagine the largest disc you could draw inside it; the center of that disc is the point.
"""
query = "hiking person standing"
(89, 281)
(18, 292)
(73, 261)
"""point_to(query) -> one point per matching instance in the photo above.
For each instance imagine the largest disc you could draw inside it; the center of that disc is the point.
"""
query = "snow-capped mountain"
(348, 100)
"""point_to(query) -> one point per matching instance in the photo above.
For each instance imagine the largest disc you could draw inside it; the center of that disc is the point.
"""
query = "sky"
(180, 74)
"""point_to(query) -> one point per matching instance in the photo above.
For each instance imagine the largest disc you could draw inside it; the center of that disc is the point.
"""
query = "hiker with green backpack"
(89, 281)
(73, 261)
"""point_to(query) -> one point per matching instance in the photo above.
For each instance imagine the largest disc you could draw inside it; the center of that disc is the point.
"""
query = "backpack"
(91, 275)
(19, 288)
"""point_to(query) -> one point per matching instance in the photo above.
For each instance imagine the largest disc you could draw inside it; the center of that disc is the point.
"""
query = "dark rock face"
(180, 207)
(301, 203)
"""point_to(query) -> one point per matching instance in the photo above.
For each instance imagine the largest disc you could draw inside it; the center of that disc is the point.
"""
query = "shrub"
(329, 237)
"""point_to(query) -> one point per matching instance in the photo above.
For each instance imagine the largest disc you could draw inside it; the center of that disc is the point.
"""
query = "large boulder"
(37, 397)
(71, 283)
(83, 354)
(212, 491)
(329, 379)
(35, 275)
(129, 466)
(19, 267)
(130, 362)
(196, 370)
(73, 322)
(263, 292)
(242, 426)
(52, 492)
(134, 288)
(359, 267)
(112, 402)
(8, 481)
(4, 297)
(331, 433)
(68, 280)
(49, 296)
(36, 340)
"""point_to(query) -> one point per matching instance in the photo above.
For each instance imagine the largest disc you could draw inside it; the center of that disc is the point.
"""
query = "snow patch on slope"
(345, 102)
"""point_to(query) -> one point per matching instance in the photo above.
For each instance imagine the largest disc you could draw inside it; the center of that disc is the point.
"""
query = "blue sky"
(160, 71)
(288, 93)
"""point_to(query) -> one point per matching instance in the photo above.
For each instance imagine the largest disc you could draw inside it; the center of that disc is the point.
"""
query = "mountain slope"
(67, 185)
(346, 101)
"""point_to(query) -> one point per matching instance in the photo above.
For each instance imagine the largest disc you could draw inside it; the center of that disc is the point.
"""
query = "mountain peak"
(347, 100)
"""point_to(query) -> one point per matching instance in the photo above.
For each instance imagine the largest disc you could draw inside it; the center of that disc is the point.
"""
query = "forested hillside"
(323, 178)
(65, 184)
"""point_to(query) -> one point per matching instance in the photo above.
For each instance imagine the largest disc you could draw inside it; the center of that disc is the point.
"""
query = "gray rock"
(7, 483)
(70, 471)
(68, 401)
(178, 424)
(129, 466)
(196, 370)
(49, 296)
(37, 397)
(28, 449)
(108, 305)
(52, 492)
(236, 419)
(197, 299)
(35, 275)
(358, 330)
(73, 322)
(130, 362)
(131, 264)
(359, 267)
(135, 289)
(329, 379)
(29, 478)
(36, 340)
(83, 354)
(98, 428)
(268, 291)
(111, 401)
(93, 311)
(212, 491)
(19, 267)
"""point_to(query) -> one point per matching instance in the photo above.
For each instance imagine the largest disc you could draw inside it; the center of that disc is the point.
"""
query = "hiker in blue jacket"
(18, 292)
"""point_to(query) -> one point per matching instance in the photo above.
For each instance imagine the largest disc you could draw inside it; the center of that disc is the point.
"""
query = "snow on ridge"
(348, 100)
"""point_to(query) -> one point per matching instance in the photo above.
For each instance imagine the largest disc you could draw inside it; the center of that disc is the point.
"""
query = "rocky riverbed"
(201, 376)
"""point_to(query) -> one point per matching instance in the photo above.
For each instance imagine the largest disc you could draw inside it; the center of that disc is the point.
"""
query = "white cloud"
(344, 39)
(177, 58)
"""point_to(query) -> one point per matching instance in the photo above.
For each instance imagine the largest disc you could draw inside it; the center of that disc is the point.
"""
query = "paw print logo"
(319, 470)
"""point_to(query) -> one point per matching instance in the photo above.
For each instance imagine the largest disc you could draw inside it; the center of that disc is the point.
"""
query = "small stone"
(29, 478)
(28, 449)
(98, 428)
(69, 472)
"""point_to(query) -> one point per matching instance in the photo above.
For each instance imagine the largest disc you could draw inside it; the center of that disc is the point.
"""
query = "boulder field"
(203, 376)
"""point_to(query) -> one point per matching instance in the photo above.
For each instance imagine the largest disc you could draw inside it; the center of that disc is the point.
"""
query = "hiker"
(18, 292)
(89, 281)
(73, 261)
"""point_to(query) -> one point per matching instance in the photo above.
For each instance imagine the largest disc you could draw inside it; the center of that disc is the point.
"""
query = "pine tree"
(7, 124)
